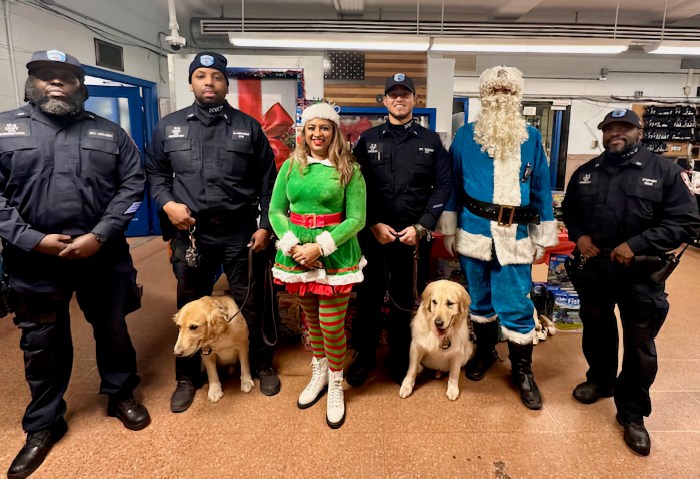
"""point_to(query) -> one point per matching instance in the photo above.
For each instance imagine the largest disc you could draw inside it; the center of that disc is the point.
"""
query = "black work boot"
(520, 356)
(589, 392)
(35, 449)
(183, 395)
(269, 381)
(360, 367)
(636, 435)
(485, 355)
(129, 411)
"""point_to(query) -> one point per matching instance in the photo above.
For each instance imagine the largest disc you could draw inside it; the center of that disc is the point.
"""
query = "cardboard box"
(557, 275)
(566, 307)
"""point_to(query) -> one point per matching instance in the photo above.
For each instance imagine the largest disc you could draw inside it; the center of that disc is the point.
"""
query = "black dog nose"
(439, 323)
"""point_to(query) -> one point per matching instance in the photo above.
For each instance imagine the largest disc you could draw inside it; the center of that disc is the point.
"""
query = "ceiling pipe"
(11, 50)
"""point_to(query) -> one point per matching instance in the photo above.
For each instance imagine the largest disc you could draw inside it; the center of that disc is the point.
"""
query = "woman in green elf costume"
(317, 209)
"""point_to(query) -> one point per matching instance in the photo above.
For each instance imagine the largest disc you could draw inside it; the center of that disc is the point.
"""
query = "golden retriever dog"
(441, 339)
(210, 324)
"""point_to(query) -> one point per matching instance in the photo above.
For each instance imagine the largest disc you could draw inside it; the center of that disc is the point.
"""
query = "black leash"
(267, 287)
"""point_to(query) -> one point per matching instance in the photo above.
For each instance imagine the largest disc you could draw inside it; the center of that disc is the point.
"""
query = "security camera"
(176, 42)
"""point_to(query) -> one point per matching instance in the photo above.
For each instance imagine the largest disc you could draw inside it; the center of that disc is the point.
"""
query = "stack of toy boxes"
(562, 298)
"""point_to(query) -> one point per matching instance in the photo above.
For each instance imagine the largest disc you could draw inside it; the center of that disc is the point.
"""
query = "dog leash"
(267, 287)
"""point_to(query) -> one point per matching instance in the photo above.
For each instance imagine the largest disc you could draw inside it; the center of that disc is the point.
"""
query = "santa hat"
(322, 110)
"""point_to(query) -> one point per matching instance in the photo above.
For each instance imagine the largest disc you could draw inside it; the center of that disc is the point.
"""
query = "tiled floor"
(486, 433)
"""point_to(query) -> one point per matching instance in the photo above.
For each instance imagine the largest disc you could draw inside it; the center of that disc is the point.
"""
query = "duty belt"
(312, 220)
(504, 215)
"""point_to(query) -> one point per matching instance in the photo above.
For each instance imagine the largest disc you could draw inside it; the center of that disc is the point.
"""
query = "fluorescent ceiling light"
(524, 45)
(674, 48)
(322, 41)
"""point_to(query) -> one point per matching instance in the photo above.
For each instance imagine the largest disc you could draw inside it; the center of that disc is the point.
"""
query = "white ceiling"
(145, 18)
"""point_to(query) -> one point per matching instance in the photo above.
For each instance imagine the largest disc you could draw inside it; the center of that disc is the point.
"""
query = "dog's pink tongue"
(441, 333)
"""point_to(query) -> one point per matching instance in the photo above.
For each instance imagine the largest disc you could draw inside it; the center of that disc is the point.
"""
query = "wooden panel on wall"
(379, 66)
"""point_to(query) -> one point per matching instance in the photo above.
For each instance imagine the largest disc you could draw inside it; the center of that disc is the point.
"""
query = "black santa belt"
(504, 215)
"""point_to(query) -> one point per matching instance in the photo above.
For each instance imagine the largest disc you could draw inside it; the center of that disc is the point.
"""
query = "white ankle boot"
(335, 411)
(319, 380)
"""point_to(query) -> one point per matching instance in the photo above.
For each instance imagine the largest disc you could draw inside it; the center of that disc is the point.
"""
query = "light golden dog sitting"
(441, 338)
(211, 324)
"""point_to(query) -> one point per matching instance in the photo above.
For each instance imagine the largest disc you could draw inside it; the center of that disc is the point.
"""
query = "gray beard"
(54, 106)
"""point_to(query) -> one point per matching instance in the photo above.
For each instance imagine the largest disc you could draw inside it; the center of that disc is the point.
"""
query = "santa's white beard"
(500, 128)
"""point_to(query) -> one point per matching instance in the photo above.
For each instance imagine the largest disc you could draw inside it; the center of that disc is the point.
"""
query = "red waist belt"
(312, 220)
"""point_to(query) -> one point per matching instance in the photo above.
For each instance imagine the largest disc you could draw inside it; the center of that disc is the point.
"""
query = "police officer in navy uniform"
(211, 171)
(409, 180)
(70, 182)
(626, 203)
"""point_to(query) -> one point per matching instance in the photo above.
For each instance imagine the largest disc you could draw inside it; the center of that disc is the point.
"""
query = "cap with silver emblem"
(55, 59)
(399, 79)
(621, 115)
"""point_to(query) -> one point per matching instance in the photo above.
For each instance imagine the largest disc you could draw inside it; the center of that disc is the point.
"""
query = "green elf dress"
(318, 191)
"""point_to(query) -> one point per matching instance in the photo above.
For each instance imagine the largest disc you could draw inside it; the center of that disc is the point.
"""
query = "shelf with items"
(669, 130)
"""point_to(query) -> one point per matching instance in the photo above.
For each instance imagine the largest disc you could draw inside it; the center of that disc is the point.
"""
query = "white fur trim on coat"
(508, 249)
(483, 319)
(327, 243)
(287, 242)
(519, 338)
(447, 223)
(545, 234)
(473, 246)
(320, 276)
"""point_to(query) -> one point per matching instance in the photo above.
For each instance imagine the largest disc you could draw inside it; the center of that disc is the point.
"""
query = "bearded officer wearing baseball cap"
(211, 171)
(70, 182)
(625, 203)
(409, 180)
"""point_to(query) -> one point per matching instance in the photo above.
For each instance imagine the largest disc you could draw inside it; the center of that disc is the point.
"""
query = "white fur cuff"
(483, 319)
(519, 338)
(327, 243)
(545, 234)
(447, 223)
(286, 243)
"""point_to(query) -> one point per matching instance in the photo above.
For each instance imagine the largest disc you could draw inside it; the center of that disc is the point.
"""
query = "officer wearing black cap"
(211, 171)
(409, 181)
(624, 204)
(70, 182)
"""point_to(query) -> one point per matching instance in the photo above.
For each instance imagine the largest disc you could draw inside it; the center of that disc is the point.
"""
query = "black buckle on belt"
(501, 210)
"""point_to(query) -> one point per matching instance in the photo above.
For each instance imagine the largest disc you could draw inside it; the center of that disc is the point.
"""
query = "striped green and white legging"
(325, 316)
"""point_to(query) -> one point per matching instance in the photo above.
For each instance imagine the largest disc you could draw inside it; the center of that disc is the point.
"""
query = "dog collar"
(206, 351)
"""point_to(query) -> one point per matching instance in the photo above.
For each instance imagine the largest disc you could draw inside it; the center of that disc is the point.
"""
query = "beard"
(69, 105)
(500, 128)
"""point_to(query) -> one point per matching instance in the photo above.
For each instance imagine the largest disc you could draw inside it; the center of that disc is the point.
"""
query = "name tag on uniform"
(586, 180)
(176, 132)
(15, 128)
(426, 149)
(240, 135)
(107, 135)
(649, 181)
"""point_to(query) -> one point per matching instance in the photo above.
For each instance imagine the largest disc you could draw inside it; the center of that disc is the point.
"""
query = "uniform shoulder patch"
(686, 179)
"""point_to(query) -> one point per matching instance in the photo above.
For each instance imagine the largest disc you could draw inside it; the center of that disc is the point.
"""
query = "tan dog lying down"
(206, 325)
(440, 335)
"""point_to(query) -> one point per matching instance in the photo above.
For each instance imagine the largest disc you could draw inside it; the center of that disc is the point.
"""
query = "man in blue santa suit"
(502, 213)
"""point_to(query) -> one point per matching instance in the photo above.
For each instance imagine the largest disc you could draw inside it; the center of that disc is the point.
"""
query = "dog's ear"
(464, 301)
(175, 317)
(425, 299)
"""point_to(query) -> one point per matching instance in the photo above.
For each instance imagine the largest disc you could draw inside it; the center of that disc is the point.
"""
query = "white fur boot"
(319, 380)
(335, 411)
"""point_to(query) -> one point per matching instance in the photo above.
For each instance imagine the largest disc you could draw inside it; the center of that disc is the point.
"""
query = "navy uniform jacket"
(408, 182)
(65, 177)
(225, 167)
(643, 201)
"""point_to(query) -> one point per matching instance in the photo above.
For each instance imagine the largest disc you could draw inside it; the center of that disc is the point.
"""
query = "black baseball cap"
(53, 59)
(399, 79)
(621, 115)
